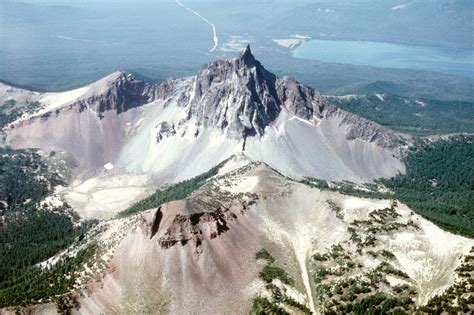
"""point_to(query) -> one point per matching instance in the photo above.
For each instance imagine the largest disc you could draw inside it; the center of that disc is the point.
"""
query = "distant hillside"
(415, 116)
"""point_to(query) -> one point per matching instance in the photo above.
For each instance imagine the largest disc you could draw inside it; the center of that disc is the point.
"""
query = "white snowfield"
(102, 197)
(55, 100)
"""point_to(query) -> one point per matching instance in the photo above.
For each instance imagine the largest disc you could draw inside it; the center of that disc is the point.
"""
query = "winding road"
(214, 31)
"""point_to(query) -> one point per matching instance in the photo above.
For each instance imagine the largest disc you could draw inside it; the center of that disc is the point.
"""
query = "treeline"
(347, 188)
(177, 191)
(459, 297)
(30, 232)
(439, 183)
(32, 238)
(11, 111)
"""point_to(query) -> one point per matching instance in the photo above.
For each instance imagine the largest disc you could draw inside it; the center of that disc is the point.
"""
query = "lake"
(387, 55)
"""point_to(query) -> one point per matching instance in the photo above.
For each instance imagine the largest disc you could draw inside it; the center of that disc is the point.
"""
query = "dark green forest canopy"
(439, 183)
(30, 231)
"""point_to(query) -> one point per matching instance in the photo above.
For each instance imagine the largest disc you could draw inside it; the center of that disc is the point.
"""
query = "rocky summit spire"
(247, 51)
(247, 58)
(240, 97)
(237, 94)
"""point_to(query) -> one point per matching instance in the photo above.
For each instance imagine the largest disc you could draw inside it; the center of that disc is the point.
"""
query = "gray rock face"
(300, 100)
(165, 130)
(238, 95)
(160, 91)
(360, 128)
(241, 97)
(121, 94)
(124, 93)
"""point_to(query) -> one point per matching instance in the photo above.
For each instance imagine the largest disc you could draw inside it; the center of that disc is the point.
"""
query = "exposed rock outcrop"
(241, 97)
(191, 229)
(120, 93)
(302, 101)
(238, 95)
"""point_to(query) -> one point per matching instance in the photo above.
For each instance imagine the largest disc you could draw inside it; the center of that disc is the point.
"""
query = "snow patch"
(422, 104)
(52, 101)
(108, 166)
(401, 6)
(302, 120)
(380, 97)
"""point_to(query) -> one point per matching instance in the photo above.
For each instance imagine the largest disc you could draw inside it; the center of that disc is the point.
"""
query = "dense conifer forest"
(439, 183)
(32, 230)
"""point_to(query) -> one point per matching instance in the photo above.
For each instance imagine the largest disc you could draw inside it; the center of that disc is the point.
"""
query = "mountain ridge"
(229, 106)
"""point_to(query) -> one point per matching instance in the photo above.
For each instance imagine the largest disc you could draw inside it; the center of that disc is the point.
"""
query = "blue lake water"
(387, 55)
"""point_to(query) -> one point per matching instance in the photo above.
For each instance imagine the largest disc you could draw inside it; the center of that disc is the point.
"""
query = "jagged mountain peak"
(118, 91)
(247, 58)
(243, 97)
